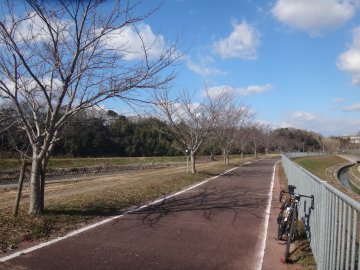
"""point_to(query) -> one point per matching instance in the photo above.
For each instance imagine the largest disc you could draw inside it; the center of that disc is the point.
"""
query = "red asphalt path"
(217, 225)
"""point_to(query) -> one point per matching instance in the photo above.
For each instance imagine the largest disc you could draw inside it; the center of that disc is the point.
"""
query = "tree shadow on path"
(208, 202)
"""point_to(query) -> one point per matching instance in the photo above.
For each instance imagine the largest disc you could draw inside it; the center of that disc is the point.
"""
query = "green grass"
(318, 165)
(355, 170)
(9, 164)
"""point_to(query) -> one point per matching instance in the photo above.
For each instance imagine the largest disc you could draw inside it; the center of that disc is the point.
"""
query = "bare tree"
(281, 143)
(243, 139)
(330, 145)
(189, 122)
(232, 117)
(256, 137)
(62, 57)
(268, 137)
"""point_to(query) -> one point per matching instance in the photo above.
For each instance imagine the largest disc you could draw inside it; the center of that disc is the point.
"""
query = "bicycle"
(287, 217)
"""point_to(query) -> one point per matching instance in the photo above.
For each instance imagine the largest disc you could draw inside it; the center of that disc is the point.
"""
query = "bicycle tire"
(295, 232)
(290, 236)
(280, 230)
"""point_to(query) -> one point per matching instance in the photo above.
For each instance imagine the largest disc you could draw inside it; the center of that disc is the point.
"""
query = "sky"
(294, 63)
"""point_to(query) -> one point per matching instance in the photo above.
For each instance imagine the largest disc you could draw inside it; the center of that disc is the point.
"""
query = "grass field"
(318, 165)
(355, 170)
(10, 164)
(72, 205)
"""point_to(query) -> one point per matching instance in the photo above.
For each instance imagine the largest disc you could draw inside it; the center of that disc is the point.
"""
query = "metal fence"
(305, 154)
(10, 179)
(331, 220)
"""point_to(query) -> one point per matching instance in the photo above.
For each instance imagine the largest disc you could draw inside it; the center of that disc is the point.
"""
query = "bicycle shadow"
(307, 216)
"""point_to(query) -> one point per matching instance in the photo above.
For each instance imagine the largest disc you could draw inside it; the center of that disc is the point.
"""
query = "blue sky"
(295, 63)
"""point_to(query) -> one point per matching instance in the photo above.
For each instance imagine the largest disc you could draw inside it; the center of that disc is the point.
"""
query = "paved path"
(217, 225)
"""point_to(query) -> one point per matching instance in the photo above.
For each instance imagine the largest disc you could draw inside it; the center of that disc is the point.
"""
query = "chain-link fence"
(331, 219)
(10, 178)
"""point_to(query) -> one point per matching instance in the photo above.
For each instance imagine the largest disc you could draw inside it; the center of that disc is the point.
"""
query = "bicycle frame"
(288, 216)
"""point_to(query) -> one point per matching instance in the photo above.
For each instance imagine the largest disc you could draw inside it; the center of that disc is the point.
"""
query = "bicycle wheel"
(280, 230)
(291, 236)
(280, 222)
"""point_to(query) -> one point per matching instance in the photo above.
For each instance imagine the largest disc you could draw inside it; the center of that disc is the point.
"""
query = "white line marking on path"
(25, 251)
(263, 237)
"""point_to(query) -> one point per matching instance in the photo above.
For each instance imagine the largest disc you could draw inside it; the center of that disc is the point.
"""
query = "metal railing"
(331, 220)
(305, 154)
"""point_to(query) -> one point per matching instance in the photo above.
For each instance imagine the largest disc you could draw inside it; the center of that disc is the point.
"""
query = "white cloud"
(255, 89)
(204, 68)
(247, 91)
(27, 86)
(314, 16)
(130, 42)
(219, 90)
(321, 124)
(352, 108)
(338, 100)
(33, 29)
(241, 43)
(305, 116)
(349, 61)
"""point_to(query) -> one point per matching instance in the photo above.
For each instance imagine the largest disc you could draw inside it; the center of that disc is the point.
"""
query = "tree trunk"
(43, 172)
(20, 186)
(192, 158)
(42, 185)
(187, 163)
(226, 156)
(35, 207)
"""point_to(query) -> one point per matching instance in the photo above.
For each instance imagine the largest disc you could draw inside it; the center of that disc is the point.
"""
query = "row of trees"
(110, 134)
(100, 137)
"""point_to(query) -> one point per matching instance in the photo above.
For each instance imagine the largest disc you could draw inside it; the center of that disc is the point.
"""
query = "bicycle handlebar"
(294, 194)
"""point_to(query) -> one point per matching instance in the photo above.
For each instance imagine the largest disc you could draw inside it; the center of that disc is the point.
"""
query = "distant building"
(352, 139)
(355, 139)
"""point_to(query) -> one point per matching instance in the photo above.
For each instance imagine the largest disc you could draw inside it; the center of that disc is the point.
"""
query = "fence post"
(322, 246)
